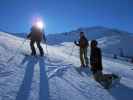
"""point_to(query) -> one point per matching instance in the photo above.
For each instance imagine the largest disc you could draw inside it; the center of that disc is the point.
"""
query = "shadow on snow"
(25, 87)
(122, 93)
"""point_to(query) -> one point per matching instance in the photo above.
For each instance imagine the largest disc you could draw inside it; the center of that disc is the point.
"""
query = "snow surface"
(56, 76)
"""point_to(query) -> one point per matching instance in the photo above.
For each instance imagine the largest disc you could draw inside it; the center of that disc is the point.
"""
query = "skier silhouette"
(36, 36)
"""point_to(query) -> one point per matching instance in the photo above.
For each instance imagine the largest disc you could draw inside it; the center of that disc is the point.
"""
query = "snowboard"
(112, 81)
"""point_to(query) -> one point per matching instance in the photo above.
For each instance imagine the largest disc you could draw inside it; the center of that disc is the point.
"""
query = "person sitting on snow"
(95, 58)
(36, 36)
(96, 67)
(83, 44)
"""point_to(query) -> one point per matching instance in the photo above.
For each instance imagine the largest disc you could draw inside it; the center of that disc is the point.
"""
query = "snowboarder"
(95, 58)
(83, 44)
(96, 67)
(36, 36)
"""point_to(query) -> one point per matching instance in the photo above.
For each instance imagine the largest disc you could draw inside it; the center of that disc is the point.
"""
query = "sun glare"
(40, 24)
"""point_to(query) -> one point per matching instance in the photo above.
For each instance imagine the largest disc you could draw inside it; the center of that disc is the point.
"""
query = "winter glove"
(28, 37)
(75, 42)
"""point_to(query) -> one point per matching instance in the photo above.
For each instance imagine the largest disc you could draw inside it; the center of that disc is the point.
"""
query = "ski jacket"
(83, 42)
(35, 35)
(96, 59)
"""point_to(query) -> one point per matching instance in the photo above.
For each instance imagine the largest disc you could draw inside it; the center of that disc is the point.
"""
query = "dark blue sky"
(66, 15)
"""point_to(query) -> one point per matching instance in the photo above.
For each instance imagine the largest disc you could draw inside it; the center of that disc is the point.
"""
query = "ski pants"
(32, 42)
(83, 56)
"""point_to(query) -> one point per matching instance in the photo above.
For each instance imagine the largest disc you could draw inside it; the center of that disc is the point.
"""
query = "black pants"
(33, 47)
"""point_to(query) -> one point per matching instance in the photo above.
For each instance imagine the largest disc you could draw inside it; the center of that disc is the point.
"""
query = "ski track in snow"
(56, 76)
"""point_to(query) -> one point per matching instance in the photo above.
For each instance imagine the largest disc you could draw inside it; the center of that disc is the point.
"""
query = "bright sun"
(40, 24)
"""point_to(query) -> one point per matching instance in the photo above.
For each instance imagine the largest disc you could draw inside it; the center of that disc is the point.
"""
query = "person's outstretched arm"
(75, 42)
(29, 35)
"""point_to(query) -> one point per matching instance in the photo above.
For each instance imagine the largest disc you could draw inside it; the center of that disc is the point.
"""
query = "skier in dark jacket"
(36, 36)
(95, 57)
(83, 44)
(96, 67)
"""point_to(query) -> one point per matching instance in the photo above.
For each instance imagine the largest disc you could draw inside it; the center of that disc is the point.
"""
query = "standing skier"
(36, 36)
(83, 44)
(96, 67)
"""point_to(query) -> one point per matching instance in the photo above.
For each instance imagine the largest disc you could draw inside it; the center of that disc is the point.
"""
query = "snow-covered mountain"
(117, 45)
(91, 33)
(112, 41)
(56, 76)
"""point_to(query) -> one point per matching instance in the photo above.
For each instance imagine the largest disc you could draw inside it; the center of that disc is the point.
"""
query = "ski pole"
(72, 51)
(47, 52)
(45, 41)
(47, 49)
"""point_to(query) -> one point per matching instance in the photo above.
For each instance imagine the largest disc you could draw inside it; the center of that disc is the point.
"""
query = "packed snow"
(57, 75)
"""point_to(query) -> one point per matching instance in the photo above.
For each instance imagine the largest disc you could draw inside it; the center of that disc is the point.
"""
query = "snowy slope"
(112, 41)
(119, 45)
(55, 76)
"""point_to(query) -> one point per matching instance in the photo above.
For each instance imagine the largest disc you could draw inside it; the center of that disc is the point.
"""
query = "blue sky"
(66, 15)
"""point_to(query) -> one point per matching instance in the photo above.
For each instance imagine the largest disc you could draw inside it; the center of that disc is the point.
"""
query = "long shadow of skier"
(44, 88)
(83, 71)
(25, 88)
